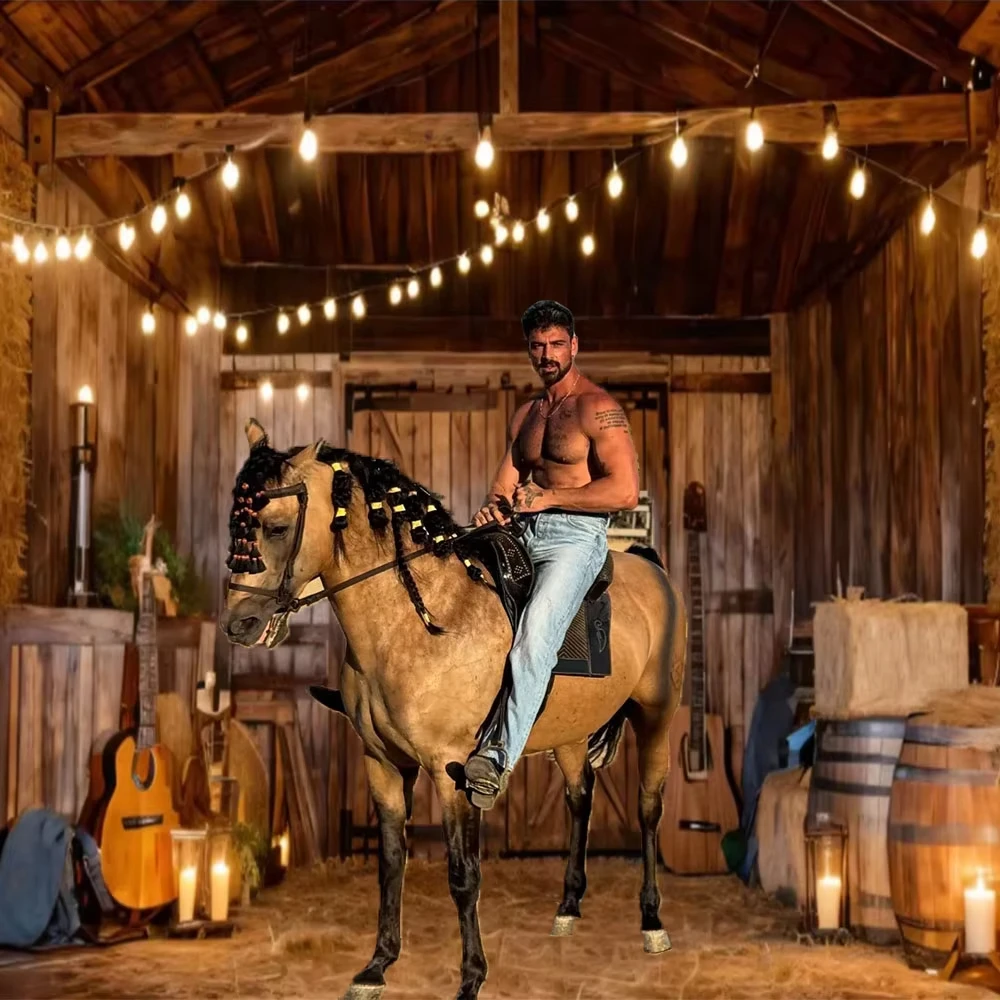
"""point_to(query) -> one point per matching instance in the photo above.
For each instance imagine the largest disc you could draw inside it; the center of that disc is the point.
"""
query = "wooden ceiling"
(731, 235)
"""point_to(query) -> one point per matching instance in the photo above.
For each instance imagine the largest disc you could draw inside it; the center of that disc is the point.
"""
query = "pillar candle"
(285, 847)
(220, 890)
(828, 902)
(980, 919)
(185, 894)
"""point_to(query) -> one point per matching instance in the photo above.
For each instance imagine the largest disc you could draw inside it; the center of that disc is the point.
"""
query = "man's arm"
(616, 483)
(507, 475)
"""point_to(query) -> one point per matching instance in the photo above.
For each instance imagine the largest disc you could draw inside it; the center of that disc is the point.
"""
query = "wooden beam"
(509, 47)
(897, 27)
(165, 25)
(742, 382)
(201, 69)
(924, 118)
(982, 37)
(478, 334)
(22, 55)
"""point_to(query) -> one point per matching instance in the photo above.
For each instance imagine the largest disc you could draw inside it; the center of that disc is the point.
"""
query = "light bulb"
(191, 326)
(159, 219)
(413, 288)
(242, 334)
(41, 252)
(182, 206)
(358, 306)
(302, 391)
(83, 247)
(543, 221)
(587, 245)
(464, 264)
(482, 208)
(230, 175)
(305, 314)
(979, 243)
(21, 252)
(85, 395)
(63, 249)
(283, 322)
(395, 295)
(486, 254)
(204, 315)
(266, 390)
(219, 321)
(17, 243)
(484, 150)
(308, 146)
(572, 210)
(330, 308)
(615, 183)
(517, 232)
(436, 277)
(754, 136)
(148, 322)
(830, 144)
(678, 152)
(858, 183)
(126, 235)
(501, 233)
(928, 219)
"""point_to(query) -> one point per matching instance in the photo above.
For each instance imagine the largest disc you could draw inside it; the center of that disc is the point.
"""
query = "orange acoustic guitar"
(136, 854)
(699, 806)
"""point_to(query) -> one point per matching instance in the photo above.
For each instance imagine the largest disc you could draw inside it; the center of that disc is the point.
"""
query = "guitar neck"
(149, 680)
(697, 636)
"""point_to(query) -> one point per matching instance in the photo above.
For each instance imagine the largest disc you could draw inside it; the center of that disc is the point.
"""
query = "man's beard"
(552, 375)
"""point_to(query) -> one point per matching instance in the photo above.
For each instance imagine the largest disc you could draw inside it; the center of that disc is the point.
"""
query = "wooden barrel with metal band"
(944, 828)
(851, 780)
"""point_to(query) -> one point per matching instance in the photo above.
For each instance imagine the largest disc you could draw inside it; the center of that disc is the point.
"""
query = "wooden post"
(508, 57)
(991, 382)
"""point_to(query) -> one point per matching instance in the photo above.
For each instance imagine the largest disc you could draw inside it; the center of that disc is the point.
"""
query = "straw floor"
(307, 937)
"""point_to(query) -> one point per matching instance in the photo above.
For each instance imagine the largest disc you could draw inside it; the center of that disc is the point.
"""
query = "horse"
(416, 686)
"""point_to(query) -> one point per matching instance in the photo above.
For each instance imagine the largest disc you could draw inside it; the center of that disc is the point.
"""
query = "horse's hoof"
(563, 925)
(654, 942)
(364, 991)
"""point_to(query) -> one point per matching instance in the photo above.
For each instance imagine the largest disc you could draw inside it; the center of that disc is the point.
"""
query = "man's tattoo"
(611, 418)
(529, 494)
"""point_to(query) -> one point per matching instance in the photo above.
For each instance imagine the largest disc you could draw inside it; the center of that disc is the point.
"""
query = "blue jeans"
(567, 551)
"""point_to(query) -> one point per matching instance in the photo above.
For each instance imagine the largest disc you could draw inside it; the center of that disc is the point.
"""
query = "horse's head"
(279, 530)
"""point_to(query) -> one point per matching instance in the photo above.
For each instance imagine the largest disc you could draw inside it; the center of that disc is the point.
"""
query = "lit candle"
(220, 890)
(185, 901)
(285, 849)
(980, 919)
(828, 902)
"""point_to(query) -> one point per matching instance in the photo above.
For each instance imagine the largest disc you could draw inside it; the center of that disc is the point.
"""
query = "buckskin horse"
(417, 685)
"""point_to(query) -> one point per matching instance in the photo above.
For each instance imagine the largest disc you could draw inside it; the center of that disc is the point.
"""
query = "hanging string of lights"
(77, 241)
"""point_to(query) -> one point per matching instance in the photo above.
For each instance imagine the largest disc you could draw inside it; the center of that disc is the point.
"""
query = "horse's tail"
(602, 746)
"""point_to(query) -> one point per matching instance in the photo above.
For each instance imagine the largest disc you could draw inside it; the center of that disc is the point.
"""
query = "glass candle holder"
(826, 875)
(188, 850)
(980, 900)
(222, 868)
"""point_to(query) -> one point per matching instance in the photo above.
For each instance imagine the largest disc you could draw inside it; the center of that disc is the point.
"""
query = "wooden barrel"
(944, 820)
(851, 781)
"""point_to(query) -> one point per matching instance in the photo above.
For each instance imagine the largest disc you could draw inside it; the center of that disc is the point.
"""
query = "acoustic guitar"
(699, 805)
(136, 853)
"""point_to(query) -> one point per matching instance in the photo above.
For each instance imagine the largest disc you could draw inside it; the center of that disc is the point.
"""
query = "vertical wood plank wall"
(878, 449)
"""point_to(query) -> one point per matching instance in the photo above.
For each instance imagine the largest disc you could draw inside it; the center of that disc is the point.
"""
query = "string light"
(464, 263)
(572, 210)
(481, 208)
(858, 183)
(615, 183)
(63, 249)
(330, 308)
(305, 314)
(500, 234)
(41, 252)
(678, 148)
(302, 391)
(831, 144)
(241, 334)
(219, 321)
(754, 134)
(484, 150)
(204, 315)
(83, 247)
(543, 221)
(283, 322)
(928, 218)
(20, 248)
(266, 390)
(979, 242)
(395, 295)
(158, 220)
(191, 326)
(358, 307)
(182, 206)
(517, 232)
(308, 144)
(435, 277)
(413, 288)
(230, 174)
(148, 322)
(126, 235)
(486, 254)
(587, 245)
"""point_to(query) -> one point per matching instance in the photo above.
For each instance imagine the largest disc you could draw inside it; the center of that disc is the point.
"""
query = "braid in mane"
(261, 467)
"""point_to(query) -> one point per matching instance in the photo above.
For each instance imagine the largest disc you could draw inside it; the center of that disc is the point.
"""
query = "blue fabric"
(567, 552)
(37, 902)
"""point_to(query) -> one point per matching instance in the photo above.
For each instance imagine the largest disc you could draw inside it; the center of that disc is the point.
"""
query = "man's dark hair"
(544, 314)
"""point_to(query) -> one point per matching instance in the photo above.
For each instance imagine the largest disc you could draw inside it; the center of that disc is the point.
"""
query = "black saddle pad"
(586, 650)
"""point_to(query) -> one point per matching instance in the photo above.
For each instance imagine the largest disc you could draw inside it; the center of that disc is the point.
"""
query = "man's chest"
(557, 438)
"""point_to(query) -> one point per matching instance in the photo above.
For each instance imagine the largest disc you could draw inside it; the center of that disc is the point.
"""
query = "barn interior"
(775, 223)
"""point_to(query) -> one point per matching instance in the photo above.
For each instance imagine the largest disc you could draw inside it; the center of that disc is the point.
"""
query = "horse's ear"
(307, 454)
(255, 433)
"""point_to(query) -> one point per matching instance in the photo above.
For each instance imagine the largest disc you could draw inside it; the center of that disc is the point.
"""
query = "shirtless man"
(571, 462)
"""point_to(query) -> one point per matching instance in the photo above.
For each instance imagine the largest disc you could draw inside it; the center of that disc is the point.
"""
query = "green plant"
(252, 848)
(117, 536)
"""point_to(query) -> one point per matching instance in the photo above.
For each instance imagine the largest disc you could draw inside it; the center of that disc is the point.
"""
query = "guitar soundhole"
(143, 777)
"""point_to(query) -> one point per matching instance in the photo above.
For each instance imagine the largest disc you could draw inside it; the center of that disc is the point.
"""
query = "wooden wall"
(878, 442)
(86, 332)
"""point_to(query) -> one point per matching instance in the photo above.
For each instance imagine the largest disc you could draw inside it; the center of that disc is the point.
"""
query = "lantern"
(826, 876)
(219, 861)
(81, 472)
(188, 856)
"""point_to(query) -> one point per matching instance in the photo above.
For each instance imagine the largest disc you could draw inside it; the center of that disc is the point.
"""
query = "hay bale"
(781, 814)
(887, 657)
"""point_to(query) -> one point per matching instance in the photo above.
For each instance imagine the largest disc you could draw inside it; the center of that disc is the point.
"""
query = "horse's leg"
(573, 763)
(651, 726)
(461, 827)
(392, 792)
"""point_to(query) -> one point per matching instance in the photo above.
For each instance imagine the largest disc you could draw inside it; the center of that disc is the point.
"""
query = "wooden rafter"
(982, 37)
(34, 67)
(925, 118)
(201, 69)
(509, 57)
(897, 27)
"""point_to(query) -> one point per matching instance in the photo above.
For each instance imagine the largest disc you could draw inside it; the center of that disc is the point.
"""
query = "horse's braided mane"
(392, 498)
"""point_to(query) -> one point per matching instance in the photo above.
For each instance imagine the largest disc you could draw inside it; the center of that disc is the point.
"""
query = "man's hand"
(531, 498)
(488, 513)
